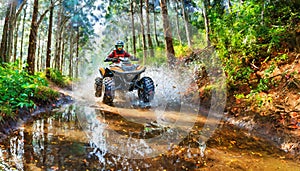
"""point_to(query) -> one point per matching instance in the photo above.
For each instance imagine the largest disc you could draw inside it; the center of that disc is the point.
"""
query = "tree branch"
(45, 12)
(21, 7)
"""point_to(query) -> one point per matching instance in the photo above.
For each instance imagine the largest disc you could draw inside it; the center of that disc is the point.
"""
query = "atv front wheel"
(146, 90)
(109, 90)
(98, 87)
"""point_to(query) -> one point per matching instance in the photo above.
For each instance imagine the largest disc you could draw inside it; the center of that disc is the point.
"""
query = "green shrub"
(58, 78)
(18, 89)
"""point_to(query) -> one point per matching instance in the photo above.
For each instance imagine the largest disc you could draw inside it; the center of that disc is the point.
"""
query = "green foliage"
(59, 79)
(239, 96)
(259, 99)
(17, 89)
(45, 94)
(281, 57)
(182, 50)
(245, 36)
(262, 85)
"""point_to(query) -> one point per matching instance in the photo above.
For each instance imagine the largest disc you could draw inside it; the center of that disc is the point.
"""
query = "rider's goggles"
(120, 46)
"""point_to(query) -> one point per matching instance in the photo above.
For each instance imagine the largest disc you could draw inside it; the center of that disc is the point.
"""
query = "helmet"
(119, 43)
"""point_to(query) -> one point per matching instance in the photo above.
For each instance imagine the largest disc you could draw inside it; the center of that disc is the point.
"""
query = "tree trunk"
(150, 44)
(170, 53)
(205, 5)
(133, 28)
(12, 24)
(38, 54)
(42, 60)
(143, 31)
(22, 38)
(48, 56)
(32, 39)
(62, 55)
(186, 24)
(33, 36)
(71, 54)
(77, 55)
(177, 24)
(58, 42)
(155, 30)
(4, 40)
(14, 20)
(16, 41)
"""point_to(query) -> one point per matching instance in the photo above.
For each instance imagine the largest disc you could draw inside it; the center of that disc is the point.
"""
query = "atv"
(123, 76)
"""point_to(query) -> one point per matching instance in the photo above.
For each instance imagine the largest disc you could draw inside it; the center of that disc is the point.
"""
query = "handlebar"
(125, 59)
(111, 60)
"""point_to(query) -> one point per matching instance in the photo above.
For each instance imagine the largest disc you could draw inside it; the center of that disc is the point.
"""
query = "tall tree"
(8, 29)
(77, 54)
(48, 56)
(133, 27)
(62, 59)
(168, 34)
(206, 21)
(186, 24)
(71, 53)
(150, 44)
(7, 32)
(60, 25)
(177, 21)
(143, 30)
(155, 28)
(33, 36)
(12, 24)
(22, 37)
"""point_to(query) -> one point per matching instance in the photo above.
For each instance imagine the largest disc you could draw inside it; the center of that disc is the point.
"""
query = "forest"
(50, 39)
(57, 39)
(62, 41)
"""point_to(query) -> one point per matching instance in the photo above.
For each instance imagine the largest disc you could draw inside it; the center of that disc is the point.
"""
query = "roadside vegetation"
(19, 90)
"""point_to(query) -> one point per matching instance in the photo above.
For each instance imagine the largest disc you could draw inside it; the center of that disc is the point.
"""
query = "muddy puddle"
(99, 137)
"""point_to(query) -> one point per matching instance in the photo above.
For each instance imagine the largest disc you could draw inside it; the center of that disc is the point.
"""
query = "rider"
(119, 52)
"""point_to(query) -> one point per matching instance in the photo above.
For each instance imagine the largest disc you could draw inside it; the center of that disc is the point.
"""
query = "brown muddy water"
(78, 137)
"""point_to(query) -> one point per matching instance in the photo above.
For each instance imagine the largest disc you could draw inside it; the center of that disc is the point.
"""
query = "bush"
(58, 78)
(18, 89)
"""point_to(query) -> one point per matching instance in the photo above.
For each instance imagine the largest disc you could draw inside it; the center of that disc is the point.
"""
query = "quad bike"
(123, 76)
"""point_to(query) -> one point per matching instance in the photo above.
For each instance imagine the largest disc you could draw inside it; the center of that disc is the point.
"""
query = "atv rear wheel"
(109, 90)
(146, 92)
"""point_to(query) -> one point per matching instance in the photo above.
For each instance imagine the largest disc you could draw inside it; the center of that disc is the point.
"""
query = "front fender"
(106, 72)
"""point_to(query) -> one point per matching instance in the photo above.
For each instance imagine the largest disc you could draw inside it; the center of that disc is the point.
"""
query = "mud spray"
(171, 110)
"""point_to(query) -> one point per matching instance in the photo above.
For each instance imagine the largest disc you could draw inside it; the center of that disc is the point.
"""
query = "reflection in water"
(17, 149)
(49, 142)
(38, 138)
(95, 133)
(58, 141)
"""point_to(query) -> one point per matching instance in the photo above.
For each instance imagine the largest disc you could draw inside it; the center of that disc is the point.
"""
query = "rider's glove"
(115, 60)
(111, 60)
(107, 60)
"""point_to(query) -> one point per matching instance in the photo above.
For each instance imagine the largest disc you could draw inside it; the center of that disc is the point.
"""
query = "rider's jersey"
(116, 54)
